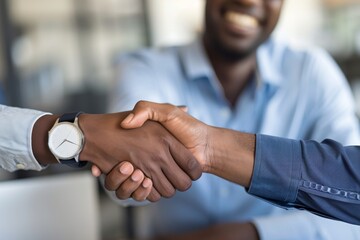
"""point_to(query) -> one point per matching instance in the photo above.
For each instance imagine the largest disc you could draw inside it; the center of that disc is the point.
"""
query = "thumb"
(145, 110)
(183, 108)
(184, 127)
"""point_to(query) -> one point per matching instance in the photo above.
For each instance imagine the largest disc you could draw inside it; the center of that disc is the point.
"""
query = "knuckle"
(120, 194)
(109, 186)
(173, 112)
(169, 192)
(194, 169)
(154, 198)
(185, 185)
(138, 196)
(140, 103)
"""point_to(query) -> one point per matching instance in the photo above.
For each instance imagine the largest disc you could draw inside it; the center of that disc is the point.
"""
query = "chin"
(237, 50)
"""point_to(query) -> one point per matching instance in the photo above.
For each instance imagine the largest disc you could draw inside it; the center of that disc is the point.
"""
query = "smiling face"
(237, 27)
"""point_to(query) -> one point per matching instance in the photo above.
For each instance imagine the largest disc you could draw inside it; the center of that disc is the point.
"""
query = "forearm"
(231, 155)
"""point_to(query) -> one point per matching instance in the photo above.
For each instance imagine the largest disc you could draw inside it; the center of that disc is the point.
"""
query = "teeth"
(241, 20)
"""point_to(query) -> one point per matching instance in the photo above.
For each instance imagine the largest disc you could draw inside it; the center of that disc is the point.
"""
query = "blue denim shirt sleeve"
(320, 177)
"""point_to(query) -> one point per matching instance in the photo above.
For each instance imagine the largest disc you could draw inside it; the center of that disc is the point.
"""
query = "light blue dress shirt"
(16, 125)
(301, 94)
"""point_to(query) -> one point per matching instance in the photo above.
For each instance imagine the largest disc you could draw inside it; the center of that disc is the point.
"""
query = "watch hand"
(61, 143)
(71, 142)
(64, 140)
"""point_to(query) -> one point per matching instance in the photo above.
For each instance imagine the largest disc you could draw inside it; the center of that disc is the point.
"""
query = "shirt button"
(20, 166)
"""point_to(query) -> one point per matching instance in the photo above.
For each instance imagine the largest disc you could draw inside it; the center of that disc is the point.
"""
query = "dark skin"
(226, 153)
(232, 53)
(160, 156)
(231, 48)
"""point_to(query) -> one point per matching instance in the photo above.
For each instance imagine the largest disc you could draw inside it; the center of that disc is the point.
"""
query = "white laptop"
(54, 207)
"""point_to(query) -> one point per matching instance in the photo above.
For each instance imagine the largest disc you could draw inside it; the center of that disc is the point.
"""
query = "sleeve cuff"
(34, 164)
(15, 141)
(277, 169)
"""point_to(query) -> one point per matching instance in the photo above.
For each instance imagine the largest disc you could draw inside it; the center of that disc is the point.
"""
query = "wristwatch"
(66, 140)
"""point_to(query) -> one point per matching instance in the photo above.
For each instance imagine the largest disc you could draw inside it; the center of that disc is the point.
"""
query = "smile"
(241, 21)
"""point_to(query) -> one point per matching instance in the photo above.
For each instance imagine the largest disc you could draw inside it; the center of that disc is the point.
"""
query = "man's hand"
(151, 148)
(223, 152)
(191, 132)
(226, 153)
(188, 130)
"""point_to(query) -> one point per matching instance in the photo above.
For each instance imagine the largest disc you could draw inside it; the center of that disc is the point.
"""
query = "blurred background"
(58, 55)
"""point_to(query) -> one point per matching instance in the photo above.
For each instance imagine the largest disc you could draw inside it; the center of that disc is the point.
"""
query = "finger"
(186, 161)
(177, 177)
(143, 191)
(162, 184)
(95, 171)
(130, 185)
(118, 175)
(177, 122)
(154, 195)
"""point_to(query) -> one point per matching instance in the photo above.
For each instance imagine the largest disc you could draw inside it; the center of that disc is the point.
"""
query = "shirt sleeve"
(16, 126)
(320, 177)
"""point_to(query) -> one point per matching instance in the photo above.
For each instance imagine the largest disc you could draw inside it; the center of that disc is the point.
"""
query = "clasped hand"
(153, 163)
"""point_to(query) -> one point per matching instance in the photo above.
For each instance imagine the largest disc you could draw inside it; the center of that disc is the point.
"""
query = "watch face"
(65, 140)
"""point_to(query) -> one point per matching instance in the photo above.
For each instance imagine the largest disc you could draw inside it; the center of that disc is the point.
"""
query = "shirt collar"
(268, 66)
(196, 63)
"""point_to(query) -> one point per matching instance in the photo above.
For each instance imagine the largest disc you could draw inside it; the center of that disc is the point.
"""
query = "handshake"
(153, 150)
(147, 153)
(156, 149)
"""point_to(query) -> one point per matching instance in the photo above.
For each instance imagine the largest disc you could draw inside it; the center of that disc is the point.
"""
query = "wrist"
(39, 139)
(231, 155)
(211, 161)
(86, 125)
(98, 130)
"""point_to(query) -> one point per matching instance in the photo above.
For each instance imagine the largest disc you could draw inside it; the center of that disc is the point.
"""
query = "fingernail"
(146, 183)
(135, 177)
(128, 118)
(125, 169)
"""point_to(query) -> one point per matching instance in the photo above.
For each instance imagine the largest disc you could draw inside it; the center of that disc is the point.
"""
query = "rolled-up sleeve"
(16, 126)
(323, 178)
(276, 171)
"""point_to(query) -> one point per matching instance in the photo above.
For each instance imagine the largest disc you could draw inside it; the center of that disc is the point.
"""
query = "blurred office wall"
(175, 22)
(62, 50)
